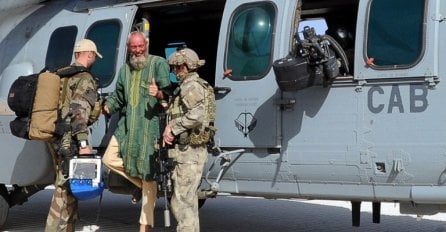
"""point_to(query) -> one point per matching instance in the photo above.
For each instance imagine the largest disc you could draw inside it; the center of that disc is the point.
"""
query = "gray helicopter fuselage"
(370, 126)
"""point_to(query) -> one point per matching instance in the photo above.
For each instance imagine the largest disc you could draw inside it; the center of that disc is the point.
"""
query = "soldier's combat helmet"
(186, 56)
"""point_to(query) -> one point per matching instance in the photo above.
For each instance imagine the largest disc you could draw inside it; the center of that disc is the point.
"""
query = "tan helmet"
(186, 56)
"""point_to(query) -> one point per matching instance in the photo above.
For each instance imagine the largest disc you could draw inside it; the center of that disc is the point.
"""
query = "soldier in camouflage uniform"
(187, 117)
(80, 98)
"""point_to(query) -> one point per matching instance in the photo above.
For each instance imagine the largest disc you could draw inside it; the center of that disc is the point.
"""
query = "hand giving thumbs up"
(153, 89)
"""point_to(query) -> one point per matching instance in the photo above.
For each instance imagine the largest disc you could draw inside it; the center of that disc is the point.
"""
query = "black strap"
(70, 71)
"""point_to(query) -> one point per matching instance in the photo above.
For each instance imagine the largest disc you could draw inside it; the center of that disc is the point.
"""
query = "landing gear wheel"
(4, 205)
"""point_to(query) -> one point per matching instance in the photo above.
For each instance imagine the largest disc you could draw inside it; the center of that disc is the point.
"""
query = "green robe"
(138, 127)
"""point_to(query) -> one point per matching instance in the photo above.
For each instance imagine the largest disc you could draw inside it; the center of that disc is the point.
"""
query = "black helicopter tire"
(4, 205)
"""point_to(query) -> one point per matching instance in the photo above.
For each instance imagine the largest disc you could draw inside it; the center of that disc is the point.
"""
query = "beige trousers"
(114, 162)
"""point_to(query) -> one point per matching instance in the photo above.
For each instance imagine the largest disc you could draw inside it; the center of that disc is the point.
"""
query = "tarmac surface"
(226, 213)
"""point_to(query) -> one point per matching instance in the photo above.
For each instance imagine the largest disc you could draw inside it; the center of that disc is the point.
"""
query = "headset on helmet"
(186, 56)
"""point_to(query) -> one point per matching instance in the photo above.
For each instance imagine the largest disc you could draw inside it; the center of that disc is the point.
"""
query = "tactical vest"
(204, 134)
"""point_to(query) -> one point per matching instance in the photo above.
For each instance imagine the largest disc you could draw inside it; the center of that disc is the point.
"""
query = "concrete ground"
(226, 213)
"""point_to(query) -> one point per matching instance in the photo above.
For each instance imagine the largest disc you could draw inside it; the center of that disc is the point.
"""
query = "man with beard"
(143, 84)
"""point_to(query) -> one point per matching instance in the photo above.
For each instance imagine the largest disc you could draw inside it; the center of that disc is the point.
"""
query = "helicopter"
(353, 112)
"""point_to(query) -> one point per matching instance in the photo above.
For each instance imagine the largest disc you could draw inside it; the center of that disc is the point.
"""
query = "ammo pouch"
(95, 112)
(200, 136)
(183, 138)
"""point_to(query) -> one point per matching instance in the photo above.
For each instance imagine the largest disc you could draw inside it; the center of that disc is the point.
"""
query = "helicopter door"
(247, 115)
(109, 28)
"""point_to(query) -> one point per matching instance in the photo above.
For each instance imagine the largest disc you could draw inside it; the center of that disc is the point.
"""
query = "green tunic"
(138, 127)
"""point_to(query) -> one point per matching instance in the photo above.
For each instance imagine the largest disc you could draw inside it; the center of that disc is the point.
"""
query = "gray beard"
(138, 62)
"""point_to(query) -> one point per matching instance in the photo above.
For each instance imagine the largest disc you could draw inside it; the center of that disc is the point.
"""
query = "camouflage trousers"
(186, 178)
(63, 210)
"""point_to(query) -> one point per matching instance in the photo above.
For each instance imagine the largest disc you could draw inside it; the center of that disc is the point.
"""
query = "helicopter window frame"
(384, 30)
(246, 62)
(106, 34)
(60, 47)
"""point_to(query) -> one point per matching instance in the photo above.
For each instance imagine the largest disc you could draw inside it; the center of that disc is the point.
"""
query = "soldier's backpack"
(35, 101)
(207, 132)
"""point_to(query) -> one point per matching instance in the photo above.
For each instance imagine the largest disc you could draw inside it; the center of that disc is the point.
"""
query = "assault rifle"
(165, 164)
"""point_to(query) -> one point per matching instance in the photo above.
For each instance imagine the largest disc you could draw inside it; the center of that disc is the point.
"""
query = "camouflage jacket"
(80, 97)
(188, 110)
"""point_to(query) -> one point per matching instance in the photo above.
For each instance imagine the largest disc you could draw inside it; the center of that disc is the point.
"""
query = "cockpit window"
(106, 36)
(250, 41)
(60, 47)
(395, 33)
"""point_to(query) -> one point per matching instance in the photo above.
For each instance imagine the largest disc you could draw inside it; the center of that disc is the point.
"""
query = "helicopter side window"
(250, 41)
(395, 32)
(106, 36)
(60, 47)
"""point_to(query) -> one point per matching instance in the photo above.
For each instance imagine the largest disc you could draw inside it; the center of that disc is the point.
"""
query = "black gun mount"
(314, 60)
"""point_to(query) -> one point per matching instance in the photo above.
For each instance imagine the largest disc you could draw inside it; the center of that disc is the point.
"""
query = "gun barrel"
(166, 218)
(166, 211)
